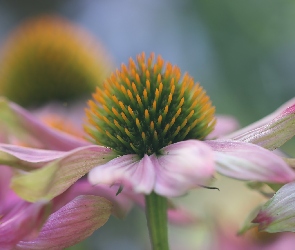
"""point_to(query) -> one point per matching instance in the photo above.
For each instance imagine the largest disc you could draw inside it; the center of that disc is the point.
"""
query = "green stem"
(156, 216)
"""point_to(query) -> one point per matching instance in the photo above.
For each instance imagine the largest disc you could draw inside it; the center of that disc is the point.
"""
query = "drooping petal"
(182, 166)
(122, 204)
(224, 125)
(278, 214)
(272, 131)
(16, 121)
(58, 175)
(128, 170)
(23, 221)
(71, 224)
(265, 120)
(247, 161)
(25, 158)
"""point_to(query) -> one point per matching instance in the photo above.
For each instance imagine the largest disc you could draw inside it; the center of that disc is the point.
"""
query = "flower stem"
(156, 215)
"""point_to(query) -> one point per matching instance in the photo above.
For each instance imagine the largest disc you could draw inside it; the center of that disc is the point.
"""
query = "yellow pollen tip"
(134, 88)
(177, 113)
(148, 85)
(128, 82)
(152, 125)
(137, 79)
(143, 136)
(139, 100)
(131, 112)
(159, 78)
(166, 128)
(147, 74)
(124, 117)
(115, 112)
(130, 95)
(145, 95)
(166, 110)
(146, 115)
(138, 124)
(123, 90)
(123, 107)
(160, 120)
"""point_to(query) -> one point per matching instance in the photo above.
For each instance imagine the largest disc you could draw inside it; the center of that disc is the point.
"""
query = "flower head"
(49, 58)
(156, 122)
(148, 114)
(146, 106)
(142, 149)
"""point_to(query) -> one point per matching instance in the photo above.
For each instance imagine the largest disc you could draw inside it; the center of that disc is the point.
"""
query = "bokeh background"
(242, 53)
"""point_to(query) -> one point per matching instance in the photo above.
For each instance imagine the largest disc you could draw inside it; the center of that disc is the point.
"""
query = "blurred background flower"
(242, 52)
(49, 59)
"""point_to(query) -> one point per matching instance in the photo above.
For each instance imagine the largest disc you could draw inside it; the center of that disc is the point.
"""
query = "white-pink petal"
(247, 161)
(182, 166)
(278, 214)
(179, 167)
(128, 170)
(265, 120)
(71, 224)
(14, 155)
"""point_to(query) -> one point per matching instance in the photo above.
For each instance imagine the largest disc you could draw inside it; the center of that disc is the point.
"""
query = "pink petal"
(247, 161)
(182, 166)
(26, 125)
(58, 175)
(27, 158)
(5, 176)
(224, 125)
(8, 199)
(272, 131)
(176, 215)
(128, 170)
(265, 120)
(278, 214)
(180, 216)
(71, 224)
(121, 203)
(24, 220)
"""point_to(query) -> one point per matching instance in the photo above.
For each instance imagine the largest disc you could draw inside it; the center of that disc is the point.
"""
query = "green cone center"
(146, 106)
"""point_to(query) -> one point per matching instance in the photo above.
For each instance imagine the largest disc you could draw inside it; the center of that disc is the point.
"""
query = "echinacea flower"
(150, 125)
(156, 122)
(49, 58)
(148, 118)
